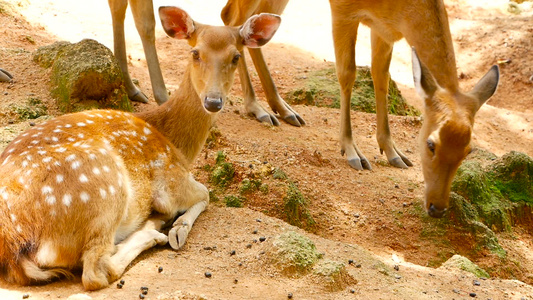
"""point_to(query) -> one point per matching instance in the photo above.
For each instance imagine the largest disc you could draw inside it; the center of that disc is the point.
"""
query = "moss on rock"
(463, 263)
(84, 75)
(293, 253)
(332, 274)
(321, 88)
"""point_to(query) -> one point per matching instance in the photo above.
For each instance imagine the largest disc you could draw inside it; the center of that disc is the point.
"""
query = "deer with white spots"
(94, 189)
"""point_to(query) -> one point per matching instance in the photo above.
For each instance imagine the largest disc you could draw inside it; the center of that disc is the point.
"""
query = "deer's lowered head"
(446, 131)
(213, 63)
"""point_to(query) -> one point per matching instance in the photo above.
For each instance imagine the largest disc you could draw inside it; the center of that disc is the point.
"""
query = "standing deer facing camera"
(92, 190)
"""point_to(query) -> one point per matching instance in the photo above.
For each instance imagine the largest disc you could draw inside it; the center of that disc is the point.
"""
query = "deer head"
(216, 52)
(446, 132)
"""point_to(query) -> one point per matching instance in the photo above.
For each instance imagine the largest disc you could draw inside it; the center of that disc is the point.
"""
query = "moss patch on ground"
(321, 88)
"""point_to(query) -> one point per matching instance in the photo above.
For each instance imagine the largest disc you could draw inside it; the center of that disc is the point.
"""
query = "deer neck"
(182, 119)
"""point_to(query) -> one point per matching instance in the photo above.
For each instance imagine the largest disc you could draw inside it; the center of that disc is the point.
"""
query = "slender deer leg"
(118, 14)
(142, 11)
(344, 42)
(251, 105)
(275, 101)
(199, 195)
(381, 58)
(143, 239)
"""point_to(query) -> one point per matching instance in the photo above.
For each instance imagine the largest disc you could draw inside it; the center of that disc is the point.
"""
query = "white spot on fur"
(70, 157)
(68, 126)
(112, 190)
(71, 139)
(81, 135)
(50, 199)
(6, 160)
(146, 130)
(13, 218)
(61, 150)
(46, 190)
(89, 121)
(106, 169)
(19, 229)
(92, 156)
(103, 193)
(47, 159)
(41, 152)
(67, 199)
(75, 165)
(84, 197)
(25, 164)
(59, 178)
(96, 171)
(55, 139)
(35, 142)
(83, 178)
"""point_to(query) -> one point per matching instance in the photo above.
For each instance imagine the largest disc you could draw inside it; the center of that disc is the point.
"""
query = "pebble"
(160, 269)
(475, 282)
(289, 295)
(235, 280)
(232, 252)
(472, 294)
(254, 232)
(396, 267)
(358, 265)
(10, 122)
(25, 296)
(119, 285)
(141, 296)
(352, 291)
(350, 261)
(122, 281)
(32, 123)
(249, 246)
(262, 239)
(208, 275)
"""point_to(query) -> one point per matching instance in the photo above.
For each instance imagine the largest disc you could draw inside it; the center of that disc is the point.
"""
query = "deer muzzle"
(213, 104)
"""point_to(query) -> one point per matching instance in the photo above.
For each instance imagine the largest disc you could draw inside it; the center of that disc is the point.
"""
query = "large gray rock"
(84, 75)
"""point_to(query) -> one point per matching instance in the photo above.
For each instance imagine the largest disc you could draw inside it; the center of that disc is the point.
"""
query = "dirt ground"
(368, 216)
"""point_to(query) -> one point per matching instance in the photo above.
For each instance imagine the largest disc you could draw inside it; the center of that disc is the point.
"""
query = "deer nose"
(213, 104)
(436, 212)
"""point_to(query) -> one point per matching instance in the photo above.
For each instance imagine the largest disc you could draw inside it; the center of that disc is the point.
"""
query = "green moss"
(463, 263)
(279, 174)
(295, 208)
(293, 253)
(32, 109)
(249, 185)
(223, 172)
(233, 201)
(321, 88)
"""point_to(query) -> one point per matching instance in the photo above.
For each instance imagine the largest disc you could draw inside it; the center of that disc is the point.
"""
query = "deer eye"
(236, 58)
(431, 146)
(195, 54)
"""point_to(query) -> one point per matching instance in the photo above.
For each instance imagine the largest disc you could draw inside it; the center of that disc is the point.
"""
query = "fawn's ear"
(176, 22)
(486, 86)
(259, 29)
(424, 82)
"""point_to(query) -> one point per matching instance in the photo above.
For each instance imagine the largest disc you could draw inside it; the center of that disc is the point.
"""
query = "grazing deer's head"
(216, 51)
(446, 131)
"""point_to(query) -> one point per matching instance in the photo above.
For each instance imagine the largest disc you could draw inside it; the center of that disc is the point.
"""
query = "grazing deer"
(449, 113)
(144, 21)
(94, 189)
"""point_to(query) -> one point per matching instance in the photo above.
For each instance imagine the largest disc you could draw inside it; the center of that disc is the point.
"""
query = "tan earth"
(372, 217)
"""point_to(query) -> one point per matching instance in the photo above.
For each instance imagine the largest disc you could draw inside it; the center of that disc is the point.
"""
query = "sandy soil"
(368, 216)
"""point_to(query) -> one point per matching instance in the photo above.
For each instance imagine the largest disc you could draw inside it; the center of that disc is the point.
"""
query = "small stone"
(358, 265)
(235, 280)
(232, 252)
(396, 267)
(141, 296)
(254, 232)
(472, 294)
(475, 282)
(32, 123)
(10, 122)
(25, 296)
(249, 246)
(144, 292)
(122, 281)
(119, 285)
(144, 288)
(350, 261)
(456, 291)
(258, 220)
(397, 276)
(208, 275)
(262, 239)
(352, 291)
(160, 269)
(289, 295)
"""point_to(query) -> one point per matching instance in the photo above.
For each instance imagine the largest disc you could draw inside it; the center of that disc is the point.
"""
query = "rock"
(84, 75)
(463, 263)
(293, 253)
(333, 275)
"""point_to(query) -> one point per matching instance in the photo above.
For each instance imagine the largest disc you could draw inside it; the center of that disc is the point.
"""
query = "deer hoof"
(177, 236)
(355, 163)
(139, 97)
(398, 163)
(294, 120)
(5, 76)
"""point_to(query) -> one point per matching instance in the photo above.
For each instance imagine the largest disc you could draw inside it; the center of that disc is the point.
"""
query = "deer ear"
(259, 29)
(424, 82)
(486, 86)
(176, 22)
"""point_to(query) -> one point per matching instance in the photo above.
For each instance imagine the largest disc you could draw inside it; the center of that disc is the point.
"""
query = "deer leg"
(275, 101)
(118, 14)
(251, 105)
(344, 41)
(197, 194)
(381, 58)
(143, 15)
